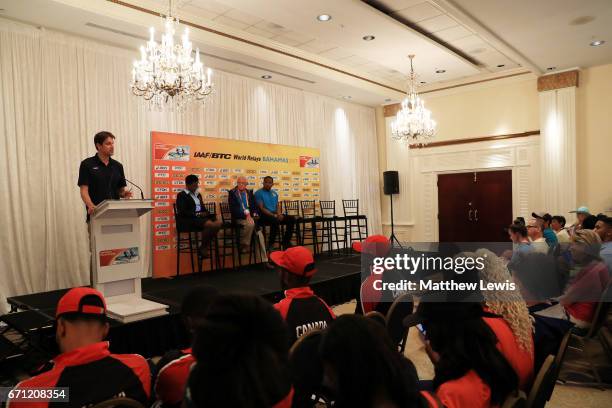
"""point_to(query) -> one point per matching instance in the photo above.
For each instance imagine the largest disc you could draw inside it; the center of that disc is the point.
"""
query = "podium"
(118, 259)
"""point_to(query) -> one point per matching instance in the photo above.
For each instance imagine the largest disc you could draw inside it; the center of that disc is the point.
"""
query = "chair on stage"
(230, 241)
(309, 224)
(356, 224)
(329, 226)
(292, 207)
(186, 245)
(213, 248)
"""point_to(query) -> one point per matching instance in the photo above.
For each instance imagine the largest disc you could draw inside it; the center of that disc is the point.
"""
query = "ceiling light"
(423, 82)
(501, 65)
(551, 68)
(323, 17)
(346, 97)
(266, 76)
(597, 43)
(388, 100)
(440, 71)
(368, 38)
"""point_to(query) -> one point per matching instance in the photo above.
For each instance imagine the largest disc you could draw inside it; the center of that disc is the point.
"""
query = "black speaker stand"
(393, 239)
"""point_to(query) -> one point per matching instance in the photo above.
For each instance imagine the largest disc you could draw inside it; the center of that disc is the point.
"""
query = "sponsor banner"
(118, 256)
(218, 162)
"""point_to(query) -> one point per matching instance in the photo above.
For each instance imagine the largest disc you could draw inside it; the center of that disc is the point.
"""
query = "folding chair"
(307, 371)
(543, 384)
(515, 400)
(400, 308)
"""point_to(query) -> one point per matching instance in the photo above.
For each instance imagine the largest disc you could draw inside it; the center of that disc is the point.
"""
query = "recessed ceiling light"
(597, 43)
(388, 100)
(266, 76)
(323, 17)
(440, 71)
(346, 97)
(501, 65)
(368, 38)
(551, 68)
(423, 82)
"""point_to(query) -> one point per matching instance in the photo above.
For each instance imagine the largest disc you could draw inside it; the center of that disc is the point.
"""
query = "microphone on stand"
(135, 185)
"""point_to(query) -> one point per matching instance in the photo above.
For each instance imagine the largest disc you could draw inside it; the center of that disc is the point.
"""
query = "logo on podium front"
(119, 256)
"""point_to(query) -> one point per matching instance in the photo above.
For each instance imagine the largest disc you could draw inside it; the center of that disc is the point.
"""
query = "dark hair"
(519, 220)
(541, 274)
(241, 352)
(268, 177)
(470, 344)
(196, 303)
(560, 219)
(518, 229)
(589, 222)
(190, 179)
(367, 364)
(293, 280)
(606, 220)
(101, 137)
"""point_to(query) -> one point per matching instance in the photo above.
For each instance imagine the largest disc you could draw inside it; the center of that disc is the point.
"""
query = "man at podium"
(100, 176)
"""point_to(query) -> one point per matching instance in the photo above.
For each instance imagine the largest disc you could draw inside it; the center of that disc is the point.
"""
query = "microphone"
(135, 185)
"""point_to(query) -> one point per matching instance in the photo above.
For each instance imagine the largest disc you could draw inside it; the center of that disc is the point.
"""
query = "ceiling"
(470, 40)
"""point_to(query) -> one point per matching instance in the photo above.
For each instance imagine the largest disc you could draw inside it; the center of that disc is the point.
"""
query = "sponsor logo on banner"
(224, 170)
(251, 171)
(162, 247)
(223, 190)
(164, 151)
(162, 233)
(162, 226)
(162, 168)
(296, 195)
(225, 183)
(177, 189)
(161, 182)
(213, 155)
(210, 176)
(162, 190)
(306, 195)
(210, 170)
(179, 175)
(162, 197)
(238, 171)
(309, 162)
(210, 196)
(286, 184)
(251, 178)
(163, 211)
(162, 204)
(263, 171)
(162, 219)
(118, 256)
(179, 168)
(162, 175)
(274, 172)
(297, 189)
(223, 176)
(178, 183)
(210, 183)
(285, 172)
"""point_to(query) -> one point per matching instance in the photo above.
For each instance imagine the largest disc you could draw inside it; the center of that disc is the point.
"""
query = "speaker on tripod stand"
(390, 187)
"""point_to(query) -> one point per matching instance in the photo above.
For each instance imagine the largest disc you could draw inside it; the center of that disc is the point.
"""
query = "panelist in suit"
(244, 211)
(191, 214)
(100, 176)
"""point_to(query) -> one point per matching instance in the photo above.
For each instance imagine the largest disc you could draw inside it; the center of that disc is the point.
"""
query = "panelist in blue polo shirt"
(270, 214)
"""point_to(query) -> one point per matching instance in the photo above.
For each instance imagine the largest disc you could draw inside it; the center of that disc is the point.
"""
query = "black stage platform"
(337, 281)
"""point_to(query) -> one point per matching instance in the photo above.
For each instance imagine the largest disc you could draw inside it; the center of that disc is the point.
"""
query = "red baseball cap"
(377, 245)
(298, 260)
(82, 300)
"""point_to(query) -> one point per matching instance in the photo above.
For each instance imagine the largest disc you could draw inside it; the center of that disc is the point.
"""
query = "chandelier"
(413, 123)
(167, 73)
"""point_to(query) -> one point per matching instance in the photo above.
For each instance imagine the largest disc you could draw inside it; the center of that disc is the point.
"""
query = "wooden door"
(474, 206)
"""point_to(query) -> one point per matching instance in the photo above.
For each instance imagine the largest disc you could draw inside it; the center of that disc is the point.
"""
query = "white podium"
(117, 259)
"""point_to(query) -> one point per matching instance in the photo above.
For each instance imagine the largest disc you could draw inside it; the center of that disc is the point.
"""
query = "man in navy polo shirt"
(86, 366)
(301, 308)
(270, 214)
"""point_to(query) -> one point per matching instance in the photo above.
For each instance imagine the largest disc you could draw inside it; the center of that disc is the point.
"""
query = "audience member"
(174, 366)
(589, 222)
(521, 244)
(244, 211)
(558, 225)
(470, 369)
(544, 219)
(270, 214)
(534, 231)
(301, 308)
(603, 228)
(191, 214)
(364, 369)
(581, 214)
(241, 350)
(81, 327)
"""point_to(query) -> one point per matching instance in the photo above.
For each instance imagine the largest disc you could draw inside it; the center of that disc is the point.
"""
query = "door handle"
(476, 215)
(470, 215)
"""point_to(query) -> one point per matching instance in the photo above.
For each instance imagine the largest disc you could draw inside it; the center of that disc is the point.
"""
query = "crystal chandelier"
(413, 123)
(167, 74)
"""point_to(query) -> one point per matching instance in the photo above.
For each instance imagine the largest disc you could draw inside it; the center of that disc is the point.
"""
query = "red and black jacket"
(174, 369)
(92, 375)
(304, 311)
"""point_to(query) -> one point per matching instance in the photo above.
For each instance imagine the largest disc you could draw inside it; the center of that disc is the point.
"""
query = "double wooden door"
(474, 206)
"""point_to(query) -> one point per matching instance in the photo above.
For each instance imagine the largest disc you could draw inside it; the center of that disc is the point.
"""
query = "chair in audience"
(187, 244)
(516, 400)
(559, 358)
(329, 226)
(292, 207)
(122, 402)
(356, 224)
(377, 317)
(309, 224)
(543, 385)
(401, 307)
(307, 371)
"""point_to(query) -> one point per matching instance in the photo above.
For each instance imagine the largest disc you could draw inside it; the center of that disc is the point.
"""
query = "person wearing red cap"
(85, 359)
(301, 308)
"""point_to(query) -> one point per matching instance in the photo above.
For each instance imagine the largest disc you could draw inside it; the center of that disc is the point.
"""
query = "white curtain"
(558, 150)
(58, 90)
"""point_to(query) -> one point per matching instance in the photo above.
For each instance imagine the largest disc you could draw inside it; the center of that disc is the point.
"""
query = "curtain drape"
(58, 90)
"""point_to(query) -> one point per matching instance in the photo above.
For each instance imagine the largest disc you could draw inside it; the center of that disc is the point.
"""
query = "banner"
(217, 163)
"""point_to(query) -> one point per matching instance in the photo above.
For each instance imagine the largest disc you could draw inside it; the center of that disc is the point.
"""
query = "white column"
(558, 150)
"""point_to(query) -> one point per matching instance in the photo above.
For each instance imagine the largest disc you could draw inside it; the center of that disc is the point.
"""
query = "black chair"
(185, 245)
(213, 249)
(355, 223)
(543, 385)
(515, 400)
(329, 226)
(307, 371)
(400, 308)
(309, 224)
(292, 207)
(559, 358)
(229, 243)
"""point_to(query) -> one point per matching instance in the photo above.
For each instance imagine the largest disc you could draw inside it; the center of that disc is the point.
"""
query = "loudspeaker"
(391, 182)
